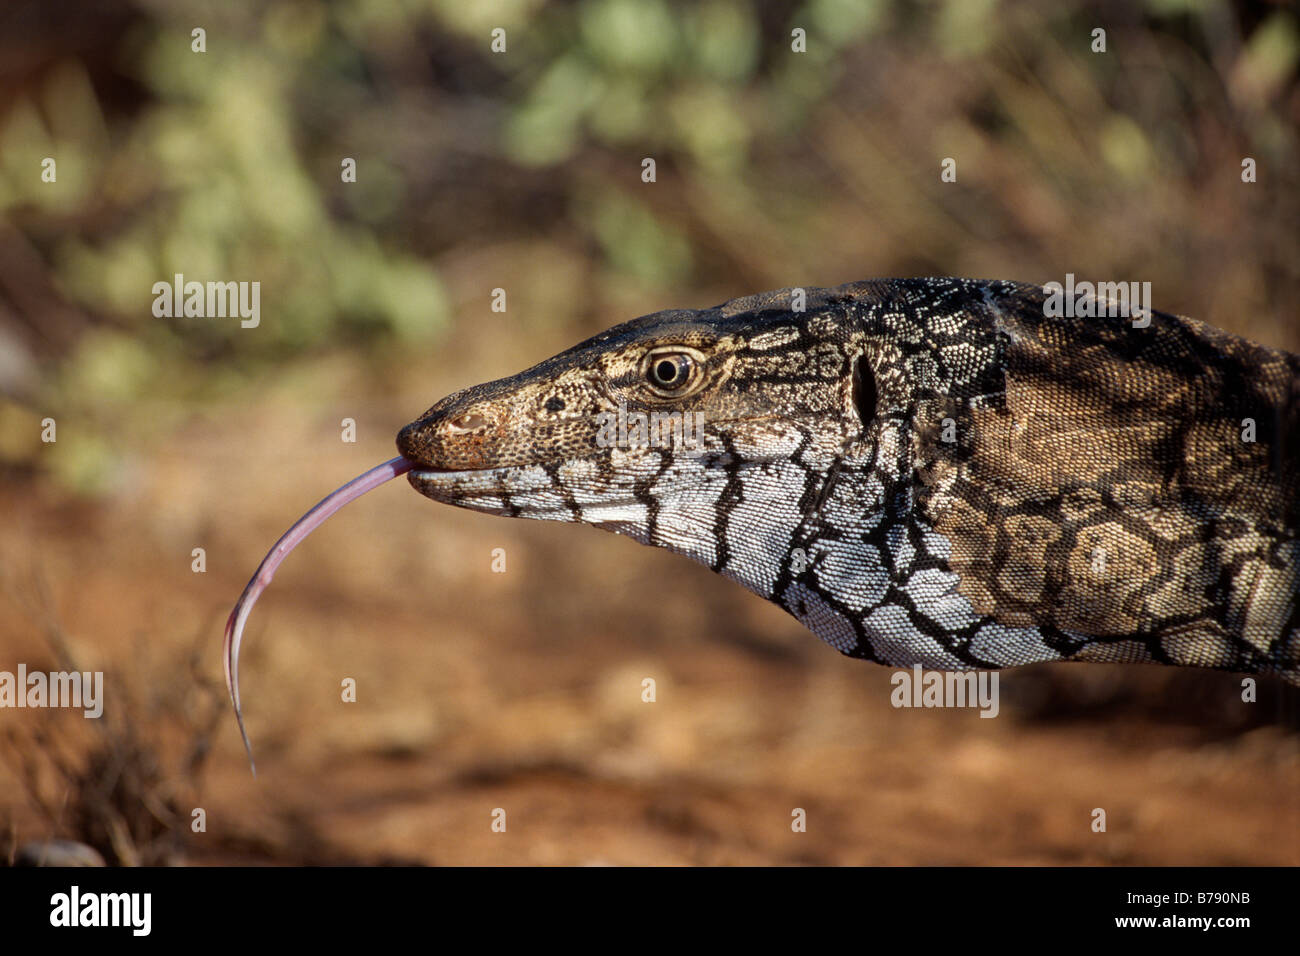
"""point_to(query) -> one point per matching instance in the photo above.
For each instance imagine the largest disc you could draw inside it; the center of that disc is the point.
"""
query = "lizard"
(929, 471)
(934, 472)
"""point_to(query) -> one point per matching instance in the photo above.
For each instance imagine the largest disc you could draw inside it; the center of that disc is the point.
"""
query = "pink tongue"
(266, 570)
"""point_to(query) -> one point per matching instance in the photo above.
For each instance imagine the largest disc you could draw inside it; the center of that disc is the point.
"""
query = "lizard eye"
(670, 371)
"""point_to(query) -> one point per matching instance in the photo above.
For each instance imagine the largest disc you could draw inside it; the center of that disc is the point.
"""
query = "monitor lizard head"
(932, 471)
(646, 428)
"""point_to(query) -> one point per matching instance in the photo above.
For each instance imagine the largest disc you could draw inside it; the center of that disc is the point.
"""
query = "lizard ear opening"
(864, 391)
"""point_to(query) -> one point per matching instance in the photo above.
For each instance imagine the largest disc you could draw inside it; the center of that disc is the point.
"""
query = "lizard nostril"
(467, 423)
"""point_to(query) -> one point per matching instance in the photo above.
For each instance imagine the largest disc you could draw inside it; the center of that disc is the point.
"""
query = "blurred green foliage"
(773, 168)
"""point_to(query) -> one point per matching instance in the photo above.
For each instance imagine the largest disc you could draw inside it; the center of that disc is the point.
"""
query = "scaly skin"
(926, 471)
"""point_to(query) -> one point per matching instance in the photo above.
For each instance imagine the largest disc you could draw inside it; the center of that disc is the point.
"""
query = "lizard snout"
(473, 422)
(454, 439)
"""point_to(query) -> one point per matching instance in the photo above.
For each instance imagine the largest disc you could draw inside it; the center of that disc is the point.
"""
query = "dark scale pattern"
(1020, 488)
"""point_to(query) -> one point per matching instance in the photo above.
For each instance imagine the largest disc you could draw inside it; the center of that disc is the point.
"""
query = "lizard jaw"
(500, 491)
(443, 483)
(527, 492)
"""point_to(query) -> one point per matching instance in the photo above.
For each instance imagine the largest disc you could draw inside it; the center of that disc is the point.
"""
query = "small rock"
(57, 853)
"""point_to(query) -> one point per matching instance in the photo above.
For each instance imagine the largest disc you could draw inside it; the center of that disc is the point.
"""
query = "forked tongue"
(266, 570)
